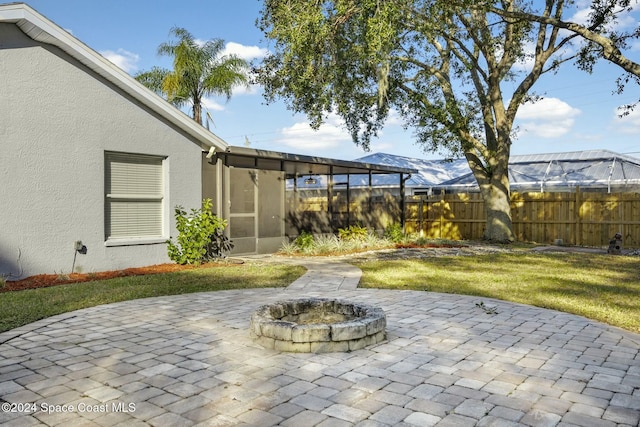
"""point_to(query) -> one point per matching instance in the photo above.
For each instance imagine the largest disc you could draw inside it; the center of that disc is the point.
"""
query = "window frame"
(158, 197)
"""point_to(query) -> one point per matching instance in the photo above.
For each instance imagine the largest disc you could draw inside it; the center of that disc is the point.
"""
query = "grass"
(22, 307)
(601, 287)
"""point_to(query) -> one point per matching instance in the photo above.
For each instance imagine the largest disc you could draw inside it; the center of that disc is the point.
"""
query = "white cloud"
(624, 18)
(629, 124)
(212, 105)
(333, 140)
(394, 118)
(124, 59)
(248, 53)
(246, 90)
(245, 52)
(581, 16)
(547, 118)
(626, 21)
(301, 137)
(547, 109)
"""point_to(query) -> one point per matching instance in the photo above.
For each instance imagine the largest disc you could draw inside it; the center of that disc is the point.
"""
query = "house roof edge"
(39, 28)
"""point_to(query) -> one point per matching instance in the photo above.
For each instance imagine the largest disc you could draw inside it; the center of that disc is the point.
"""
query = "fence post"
(403, 203)
(421, 225)
(578, 216)
(441, 213)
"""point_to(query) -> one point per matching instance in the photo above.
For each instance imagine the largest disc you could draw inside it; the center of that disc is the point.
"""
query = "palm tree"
(199, 70)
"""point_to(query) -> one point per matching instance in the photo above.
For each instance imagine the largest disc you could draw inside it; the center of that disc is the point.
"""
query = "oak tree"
(456, 72)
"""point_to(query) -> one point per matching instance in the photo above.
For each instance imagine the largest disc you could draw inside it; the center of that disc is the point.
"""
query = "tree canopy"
(199, 70)
(456, 71)
(603, 35)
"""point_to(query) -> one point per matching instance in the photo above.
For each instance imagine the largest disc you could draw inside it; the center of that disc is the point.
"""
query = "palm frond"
(153, 79)
(198, 70)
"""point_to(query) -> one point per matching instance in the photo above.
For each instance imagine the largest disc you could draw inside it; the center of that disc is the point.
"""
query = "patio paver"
(189, 360)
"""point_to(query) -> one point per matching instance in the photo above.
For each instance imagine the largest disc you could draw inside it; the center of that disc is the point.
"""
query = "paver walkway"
(188, 360)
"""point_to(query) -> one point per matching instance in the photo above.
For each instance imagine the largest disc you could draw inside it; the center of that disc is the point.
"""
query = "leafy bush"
(200, 236)
(304, 241)
(394, 233)
(353, 232)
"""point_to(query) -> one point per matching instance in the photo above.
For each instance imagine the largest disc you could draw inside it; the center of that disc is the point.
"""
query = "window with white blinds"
(134, 192)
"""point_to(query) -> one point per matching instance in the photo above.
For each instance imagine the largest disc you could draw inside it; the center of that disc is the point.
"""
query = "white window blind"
(134, 191)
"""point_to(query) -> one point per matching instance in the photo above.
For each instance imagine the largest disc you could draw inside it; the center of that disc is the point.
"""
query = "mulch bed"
(46, 280)
(428, 245)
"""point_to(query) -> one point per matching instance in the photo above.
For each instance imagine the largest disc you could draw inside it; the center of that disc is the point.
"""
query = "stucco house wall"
(58, 118)
(91, 158)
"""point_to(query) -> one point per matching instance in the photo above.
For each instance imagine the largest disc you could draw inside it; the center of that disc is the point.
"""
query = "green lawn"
(22, 307)
(600, 287)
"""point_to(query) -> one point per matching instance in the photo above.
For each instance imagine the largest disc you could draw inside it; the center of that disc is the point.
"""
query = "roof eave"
(305, 165)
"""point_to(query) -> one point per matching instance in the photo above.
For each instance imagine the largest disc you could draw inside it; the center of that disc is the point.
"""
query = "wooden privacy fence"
(580, 218)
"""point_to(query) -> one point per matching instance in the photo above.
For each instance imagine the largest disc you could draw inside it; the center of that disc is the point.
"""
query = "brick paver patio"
(189, 360)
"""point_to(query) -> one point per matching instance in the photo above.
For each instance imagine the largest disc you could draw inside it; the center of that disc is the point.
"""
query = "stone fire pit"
(317, 325)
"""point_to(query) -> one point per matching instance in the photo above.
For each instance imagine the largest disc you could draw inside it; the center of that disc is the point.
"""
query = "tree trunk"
(492, 176)
(499, 227)
(197, 112)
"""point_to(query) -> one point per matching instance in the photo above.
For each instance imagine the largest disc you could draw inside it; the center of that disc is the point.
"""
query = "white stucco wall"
(56, 121)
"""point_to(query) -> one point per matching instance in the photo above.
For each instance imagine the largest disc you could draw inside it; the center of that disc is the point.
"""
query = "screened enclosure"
(589, 170)
(579, 198)
(269, 197)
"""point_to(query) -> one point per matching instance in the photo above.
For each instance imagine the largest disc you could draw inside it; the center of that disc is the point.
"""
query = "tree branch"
(609, 50)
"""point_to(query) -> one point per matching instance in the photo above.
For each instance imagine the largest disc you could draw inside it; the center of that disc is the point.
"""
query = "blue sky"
(578, 112)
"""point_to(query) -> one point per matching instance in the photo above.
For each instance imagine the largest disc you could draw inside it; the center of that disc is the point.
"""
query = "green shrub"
(394, 233)
(200, 236)
(353, 232)
(304, 241)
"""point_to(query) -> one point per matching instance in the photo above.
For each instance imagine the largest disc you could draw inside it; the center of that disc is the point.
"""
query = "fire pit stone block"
(317, 325)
